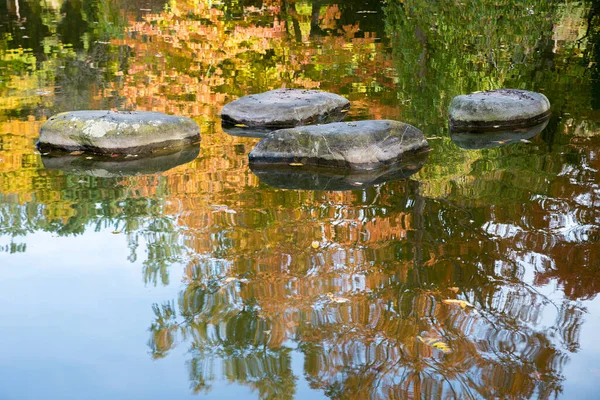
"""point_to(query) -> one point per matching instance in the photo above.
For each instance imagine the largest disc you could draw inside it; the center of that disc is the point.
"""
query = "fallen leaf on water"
(76, 153)
(434, 137)
(453, 289)
(525, 141)
(296, 164)
(502, 141)
(461, 303)
(315, 244)
(116, 232)
(89, 158)
(230, 279)
(336, 299)
(436, 343)
(241, 125)
(344, 111)
(267, 332)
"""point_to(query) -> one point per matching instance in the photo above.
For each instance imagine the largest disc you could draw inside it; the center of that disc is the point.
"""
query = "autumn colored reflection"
(469, 275)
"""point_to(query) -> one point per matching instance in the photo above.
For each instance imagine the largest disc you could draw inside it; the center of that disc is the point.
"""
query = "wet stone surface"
(112, 132)
(496, 109)
(360, 145)
(285, 108)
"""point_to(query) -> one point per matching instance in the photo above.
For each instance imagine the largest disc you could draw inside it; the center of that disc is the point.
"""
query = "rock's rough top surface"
(108, 167)
(498, 109)
(355, 145)
(112, 132)
(285, 108)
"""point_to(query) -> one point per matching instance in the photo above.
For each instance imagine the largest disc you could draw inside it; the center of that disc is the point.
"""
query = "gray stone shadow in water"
(108, 167)
(489, 139)
(311, 178)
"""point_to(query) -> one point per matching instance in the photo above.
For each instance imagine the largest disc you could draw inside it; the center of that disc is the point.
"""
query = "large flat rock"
(498, 109)
(285, 108)
(354, 145)
(112, 132)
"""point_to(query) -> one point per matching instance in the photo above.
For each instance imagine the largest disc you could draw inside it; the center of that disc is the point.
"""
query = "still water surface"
(194, 277)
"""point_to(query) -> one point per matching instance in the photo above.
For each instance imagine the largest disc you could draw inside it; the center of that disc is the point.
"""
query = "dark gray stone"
(498, 109)
(354, 145)
(314, 178)
(486, 140)
(285, 108)
(112, 132)
(110, 167)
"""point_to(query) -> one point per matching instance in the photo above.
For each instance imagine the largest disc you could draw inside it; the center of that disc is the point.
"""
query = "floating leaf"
(436, 343)
(315, 244)
(461, 303)
(525, 141)
(296, 164)
(267, 332)
(336, 299)
(115, 232)
(453, 289)
(241, 125)
(76, 153)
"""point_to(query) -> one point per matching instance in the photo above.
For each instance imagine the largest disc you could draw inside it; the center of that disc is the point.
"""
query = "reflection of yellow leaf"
(436, 343)
(461, 303)
(336, 299)
(241, 125)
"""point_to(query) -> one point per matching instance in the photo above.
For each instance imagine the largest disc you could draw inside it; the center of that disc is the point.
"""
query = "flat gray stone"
(332, 179)
(486, 140)
(495, 109)
(285, 108)
(354, 145)
(102, 166)
(113, 132)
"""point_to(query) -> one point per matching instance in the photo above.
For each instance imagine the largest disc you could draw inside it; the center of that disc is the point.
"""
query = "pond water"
(475, 277)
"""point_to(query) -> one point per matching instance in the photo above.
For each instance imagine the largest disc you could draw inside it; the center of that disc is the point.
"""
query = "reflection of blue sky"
(75, 316)
(583, 372)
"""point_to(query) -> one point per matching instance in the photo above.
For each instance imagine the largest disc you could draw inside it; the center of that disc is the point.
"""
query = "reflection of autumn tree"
(193, 58)
(356, 305)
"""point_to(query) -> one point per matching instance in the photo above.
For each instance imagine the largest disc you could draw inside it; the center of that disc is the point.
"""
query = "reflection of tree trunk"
(290, 7)
(315, 29)
(419, 227)
(422, 38)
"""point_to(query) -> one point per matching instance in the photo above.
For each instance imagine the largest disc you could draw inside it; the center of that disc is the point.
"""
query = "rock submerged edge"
(500, 108)
(361, 145)
(114, 132)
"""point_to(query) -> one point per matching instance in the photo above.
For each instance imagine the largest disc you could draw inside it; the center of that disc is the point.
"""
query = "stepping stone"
(358, 145)
(284, 108)
(114, 132)
(497, 109)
